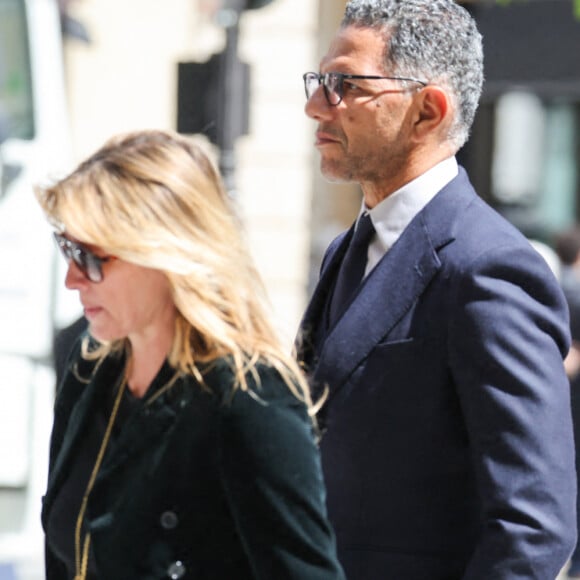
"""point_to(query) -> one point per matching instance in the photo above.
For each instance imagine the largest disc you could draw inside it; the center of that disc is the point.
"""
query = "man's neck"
(374, 192)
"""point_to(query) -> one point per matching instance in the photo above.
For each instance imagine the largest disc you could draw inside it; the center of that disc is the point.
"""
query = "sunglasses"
(333, 84)
(86, 261)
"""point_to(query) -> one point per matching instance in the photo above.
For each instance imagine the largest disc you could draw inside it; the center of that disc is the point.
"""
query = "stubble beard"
(354, 169)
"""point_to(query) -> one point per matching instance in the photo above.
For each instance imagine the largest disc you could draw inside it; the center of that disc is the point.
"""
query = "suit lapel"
(313, 327)
(396, 282)
(389, 290)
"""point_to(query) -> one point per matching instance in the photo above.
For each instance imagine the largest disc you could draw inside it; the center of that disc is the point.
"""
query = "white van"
(34, 147)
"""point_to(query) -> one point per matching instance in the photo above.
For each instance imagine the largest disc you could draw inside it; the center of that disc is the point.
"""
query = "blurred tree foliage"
(575, 5)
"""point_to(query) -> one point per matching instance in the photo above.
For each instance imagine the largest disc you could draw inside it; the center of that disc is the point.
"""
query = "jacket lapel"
(144, 427)
(81, 413)
(144, 430)
(389, 290)
(313, 327)
(395, 283)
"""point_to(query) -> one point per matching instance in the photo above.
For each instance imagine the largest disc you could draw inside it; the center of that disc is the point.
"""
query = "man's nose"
(317, 106)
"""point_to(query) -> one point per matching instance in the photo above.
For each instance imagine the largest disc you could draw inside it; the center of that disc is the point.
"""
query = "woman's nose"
(74, 278)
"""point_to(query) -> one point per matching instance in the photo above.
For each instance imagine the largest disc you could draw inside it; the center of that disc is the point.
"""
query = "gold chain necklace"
(82, 556)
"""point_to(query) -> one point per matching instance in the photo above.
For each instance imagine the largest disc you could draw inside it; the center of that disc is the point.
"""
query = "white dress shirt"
(392, 215)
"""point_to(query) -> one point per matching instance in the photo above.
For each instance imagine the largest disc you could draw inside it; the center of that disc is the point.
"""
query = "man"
(567, 246)
(568, 251)
(447, 441)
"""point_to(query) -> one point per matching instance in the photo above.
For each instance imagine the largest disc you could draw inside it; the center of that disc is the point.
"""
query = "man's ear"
(433, 110)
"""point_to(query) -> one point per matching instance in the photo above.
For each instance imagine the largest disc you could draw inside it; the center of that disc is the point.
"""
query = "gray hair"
(432, 40)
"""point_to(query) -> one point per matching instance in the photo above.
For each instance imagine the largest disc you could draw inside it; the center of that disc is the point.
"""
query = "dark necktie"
(352, 268)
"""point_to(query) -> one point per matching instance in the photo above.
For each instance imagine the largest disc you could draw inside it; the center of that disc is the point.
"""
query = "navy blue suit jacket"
(447, 447)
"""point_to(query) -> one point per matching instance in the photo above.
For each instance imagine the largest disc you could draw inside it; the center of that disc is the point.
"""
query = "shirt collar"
(392, 215)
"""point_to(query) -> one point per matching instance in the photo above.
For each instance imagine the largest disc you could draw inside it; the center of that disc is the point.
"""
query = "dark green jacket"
(199, 483)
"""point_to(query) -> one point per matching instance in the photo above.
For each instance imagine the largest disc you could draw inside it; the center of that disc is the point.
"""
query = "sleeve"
(66, 396)
(508, 337)
(64, 344)
(273, 480)
(53, 567)
(69, 391)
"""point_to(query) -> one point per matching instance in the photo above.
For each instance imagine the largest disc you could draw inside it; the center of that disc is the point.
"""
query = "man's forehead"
(355, 49)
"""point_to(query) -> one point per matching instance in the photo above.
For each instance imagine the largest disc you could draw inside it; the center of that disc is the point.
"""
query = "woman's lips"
(91, 311)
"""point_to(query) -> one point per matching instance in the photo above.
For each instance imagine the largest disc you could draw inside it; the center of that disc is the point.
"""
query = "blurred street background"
(75, 72)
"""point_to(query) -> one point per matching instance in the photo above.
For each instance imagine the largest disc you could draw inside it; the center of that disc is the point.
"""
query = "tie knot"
(364, 230)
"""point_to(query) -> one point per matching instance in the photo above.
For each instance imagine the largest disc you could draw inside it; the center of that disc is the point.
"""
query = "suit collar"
(396, 282)
(394, 213)
(365, 323)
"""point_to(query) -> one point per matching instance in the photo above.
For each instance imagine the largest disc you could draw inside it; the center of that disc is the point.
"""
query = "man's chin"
(334, 173)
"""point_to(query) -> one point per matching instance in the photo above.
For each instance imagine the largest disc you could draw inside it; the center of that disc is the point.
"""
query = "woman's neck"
(147, 358)
(142, 371)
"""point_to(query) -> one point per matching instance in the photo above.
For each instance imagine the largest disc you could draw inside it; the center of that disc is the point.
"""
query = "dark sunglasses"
(86, 261)
(333, 84)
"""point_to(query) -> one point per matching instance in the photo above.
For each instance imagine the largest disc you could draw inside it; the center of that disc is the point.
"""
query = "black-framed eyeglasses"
(87, 262)
(333, 84)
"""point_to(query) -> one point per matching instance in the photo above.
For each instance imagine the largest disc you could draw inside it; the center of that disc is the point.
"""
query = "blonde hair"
(155, 199)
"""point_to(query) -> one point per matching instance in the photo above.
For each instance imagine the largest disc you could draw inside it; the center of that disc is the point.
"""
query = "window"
(16, 103)
(524, 159)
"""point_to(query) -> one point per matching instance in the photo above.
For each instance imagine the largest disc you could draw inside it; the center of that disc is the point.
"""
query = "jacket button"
(169, 520)
(176, 570)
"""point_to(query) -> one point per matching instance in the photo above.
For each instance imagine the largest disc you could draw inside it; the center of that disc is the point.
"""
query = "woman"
(183, 443)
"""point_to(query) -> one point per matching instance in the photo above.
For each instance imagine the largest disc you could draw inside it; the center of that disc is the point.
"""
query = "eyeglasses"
(87, 262)
(333, 84)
